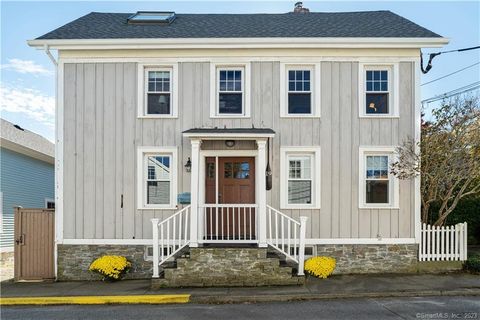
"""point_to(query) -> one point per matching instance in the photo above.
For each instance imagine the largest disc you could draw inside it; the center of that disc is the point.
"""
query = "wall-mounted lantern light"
(188, 165)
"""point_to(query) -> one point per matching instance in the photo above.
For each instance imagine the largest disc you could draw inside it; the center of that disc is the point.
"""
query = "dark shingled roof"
(387, 24)
(231, 130)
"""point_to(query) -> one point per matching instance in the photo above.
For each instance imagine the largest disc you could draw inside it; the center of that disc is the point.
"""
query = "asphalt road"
(358, 309)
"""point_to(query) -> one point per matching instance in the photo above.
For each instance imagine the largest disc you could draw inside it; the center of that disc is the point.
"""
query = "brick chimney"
(299, 8)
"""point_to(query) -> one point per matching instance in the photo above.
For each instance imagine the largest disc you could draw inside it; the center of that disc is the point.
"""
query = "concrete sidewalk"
(346, 286)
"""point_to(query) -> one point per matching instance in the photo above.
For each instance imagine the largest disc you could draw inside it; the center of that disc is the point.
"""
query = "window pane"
(158, 167)
(306, 86)
(377, 103)
(369, 75)
(223, 75)
(306, 75)
(228, 170)
(377, 191)
(158, 103)
(299, 103)
(291, 75)
(230, 103)
(383, 75)
(384, 86)
(241, 170)
(299, 192)
(291, 86)
(158, 192)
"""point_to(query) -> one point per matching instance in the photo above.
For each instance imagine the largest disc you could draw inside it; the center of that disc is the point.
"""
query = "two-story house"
(188, 132)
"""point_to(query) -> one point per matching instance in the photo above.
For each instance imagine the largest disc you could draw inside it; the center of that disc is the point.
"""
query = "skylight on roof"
(152, 17)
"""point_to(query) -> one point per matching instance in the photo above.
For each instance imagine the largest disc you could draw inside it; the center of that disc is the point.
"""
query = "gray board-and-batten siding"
(102, 133)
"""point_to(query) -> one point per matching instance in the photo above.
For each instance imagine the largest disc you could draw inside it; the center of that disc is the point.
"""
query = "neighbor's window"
(377, 182)
(49, 203)
(159, 178)
(299, 92)
(299, 179)
(230, 91)
(159, 91)
(377, 94)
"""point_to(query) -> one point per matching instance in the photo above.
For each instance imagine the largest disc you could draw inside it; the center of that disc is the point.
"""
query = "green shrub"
(473, 263)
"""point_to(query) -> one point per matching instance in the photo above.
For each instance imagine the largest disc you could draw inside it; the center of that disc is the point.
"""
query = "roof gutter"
(217, 43)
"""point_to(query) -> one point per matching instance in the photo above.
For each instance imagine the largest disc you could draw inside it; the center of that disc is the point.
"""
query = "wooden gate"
(34, 244)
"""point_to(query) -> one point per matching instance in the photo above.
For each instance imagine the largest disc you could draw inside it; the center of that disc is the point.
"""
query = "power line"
(452, 93)
(456, 50)
(448, 75)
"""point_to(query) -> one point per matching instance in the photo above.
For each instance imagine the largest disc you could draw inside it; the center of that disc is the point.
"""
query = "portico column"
(262, 193)
(194, 192)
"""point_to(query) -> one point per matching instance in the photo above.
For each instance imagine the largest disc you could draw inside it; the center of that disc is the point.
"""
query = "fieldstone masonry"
(74, 261)
(213, 267)
(235, 266)
(387, 258)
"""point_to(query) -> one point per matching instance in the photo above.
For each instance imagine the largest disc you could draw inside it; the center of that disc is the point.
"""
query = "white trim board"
(311, 241)
(266, 42)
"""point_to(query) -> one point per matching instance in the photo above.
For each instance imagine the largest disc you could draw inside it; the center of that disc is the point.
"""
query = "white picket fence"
(443, 243)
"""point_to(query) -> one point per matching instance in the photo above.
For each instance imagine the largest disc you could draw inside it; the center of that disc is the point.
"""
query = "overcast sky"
(28, 80)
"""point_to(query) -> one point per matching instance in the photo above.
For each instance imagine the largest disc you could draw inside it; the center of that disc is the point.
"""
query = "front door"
(233, 219)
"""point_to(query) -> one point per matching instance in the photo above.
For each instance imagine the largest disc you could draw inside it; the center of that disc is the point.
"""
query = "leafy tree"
(447, 158)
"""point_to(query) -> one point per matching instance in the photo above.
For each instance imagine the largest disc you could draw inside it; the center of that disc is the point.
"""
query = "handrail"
(172, 235)
(281, 230)
(226, 205)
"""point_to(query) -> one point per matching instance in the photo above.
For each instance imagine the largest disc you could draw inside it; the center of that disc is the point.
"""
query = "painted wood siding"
(25, 182)
(102, 133)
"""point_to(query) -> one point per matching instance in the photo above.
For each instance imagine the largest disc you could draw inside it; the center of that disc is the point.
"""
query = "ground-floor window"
(157, 177)
(300, 177)
(378, 187)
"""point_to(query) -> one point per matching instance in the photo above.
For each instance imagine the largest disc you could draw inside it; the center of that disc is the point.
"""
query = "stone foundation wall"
(361, 258)
(227, 267)
(74, 261)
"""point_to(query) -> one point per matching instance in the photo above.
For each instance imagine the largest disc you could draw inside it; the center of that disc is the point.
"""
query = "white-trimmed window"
(1, 212)
(158, 91)
(157, 177)
(49, 203)
(378, 187)
(300, 177)
(230, 91)
(300, 90)
(378, 88)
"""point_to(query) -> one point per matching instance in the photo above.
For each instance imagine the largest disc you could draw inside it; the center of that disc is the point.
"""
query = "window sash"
(301, 159)
(388, 179)
(299, 92)
(147, 180)
(149, 92)
(295, 81)
(226, 92)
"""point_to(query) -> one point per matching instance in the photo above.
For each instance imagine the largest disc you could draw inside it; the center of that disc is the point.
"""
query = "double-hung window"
(158, 91)
(300, 88)
(157, 177)
(230, 91)
(379, 188)
(378, 93)
(300, 177)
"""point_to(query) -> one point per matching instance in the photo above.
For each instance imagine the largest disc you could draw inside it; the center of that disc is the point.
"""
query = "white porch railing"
(443, 243)
(169, 237)
(232, 223)
(287, 236)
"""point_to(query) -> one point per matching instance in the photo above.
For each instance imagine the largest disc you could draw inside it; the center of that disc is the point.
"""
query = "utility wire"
(448, 75)
(455, 50)
(452, 93)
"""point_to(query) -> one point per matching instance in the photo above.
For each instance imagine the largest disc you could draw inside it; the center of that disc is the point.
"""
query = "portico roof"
(229, 133)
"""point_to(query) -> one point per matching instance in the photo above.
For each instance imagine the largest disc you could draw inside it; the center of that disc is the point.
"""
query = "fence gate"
(34, 244)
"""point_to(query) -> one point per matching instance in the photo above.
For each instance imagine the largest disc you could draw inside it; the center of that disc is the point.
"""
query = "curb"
(328, 296)
(77, 300)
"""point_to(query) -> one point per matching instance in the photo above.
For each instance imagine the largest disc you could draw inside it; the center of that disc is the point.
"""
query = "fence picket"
(443, 243)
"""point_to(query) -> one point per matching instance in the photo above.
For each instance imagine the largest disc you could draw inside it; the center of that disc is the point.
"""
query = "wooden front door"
(236, 185)
(34, 244)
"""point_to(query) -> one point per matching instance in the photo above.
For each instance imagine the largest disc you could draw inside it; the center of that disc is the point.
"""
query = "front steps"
(227, 267)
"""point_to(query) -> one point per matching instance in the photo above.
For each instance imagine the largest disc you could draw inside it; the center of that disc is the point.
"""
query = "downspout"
(49, 54)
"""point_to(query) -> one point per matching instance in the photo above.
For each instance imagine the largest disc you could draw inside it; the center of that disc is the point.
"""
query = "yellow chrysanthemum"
(110, 266)
(320, 267)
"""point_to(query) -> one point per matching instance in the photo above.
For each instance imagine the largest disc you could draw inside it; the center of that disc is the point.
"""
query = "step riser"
(227, 267)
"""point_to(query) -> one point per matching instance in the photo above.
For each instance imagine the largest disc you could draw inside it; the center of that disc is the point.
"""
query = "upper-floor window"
(378, 91)
(378, 187)
(300, 90)
(158, 91)
(230, 91)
